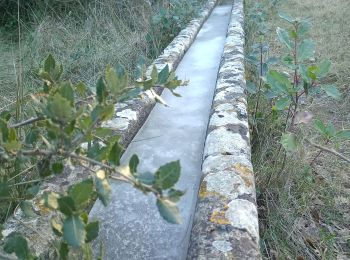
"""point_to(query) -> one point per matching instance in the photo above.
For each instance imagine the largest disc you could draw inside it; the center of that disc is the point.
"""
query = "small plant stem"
(19, 92)
(77, 140)
(318, 154)
(22, 172)
(108, 167)
(295, 79)
(66, 154)
(282, 168)
(260, 81)
(27, 122)
(328, 150)
(25, 182)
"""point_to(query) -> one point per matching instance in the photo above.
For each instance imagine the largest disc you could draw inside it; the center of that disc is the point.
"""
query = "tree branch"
(328, 150)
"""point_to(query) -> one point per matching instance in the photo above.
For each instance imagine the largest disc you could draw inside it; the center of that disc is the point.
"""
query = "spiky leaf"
(81, 192)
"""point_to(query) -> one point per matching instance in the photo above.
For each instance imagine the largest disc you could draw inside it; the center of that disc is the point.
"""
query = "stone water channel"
(131, 227)
(206, 129)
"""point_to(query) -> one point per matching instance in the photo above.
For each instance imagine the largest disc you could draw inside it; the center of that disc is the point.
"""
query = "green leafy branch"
(68, 128)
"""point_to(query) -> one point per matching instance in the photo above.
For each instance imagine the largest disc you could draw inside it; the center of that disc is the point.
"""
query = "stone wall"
(129, 118)
(226, 219)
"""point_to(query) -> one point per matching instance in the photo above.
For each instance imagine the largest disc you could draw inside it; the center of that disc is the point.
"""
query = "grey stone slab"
(131, 227)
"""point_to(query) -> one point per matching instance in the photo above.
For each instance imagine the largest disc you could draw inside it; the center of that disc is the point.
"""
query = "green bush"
(67, 116)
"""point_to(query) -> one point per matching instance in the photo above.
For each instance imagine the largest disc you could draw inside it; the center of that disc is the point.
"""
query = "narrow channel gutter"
(129, 118)
(226, 219)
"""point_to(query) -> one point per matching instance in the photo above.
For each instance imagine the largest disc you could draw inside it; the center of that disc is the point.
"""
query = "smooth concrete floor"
(131, 227)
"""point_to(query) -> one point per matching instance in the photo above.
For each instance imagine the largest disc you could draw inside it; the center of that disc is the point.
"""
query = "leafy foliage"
(67, 116)
(299, 78)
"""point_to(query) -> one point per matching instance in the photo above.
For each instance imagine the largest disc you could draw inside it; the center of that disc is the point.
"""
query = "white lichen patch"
(224, 118)
(224, 162)
(222, 95)
(227, 184)
(243, 215)
(221, 141)
(127, 113)
(222, 245)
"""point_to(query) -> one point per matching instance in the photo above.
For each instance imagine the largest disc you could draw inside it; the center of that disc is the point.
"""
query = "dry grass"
(305, 211)
(85, 38)
(85, 41)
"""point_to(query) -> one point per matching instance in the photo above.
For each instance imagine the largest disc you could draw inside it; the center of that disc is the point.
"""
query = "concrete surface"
(131, 227)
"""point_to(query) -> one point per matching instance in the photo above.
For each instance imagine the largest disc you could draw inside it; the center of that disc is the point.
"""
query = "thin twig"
(22, 172)
(328, 150)
(27, 122)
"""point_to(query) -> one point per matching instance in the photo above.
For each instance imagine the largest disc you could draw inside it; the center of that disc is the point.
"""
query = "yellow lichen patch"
(204, 193)
(39, 204)
(219, 217)
(245, 172)
(203, 190)
(241, 168)
(247, 181)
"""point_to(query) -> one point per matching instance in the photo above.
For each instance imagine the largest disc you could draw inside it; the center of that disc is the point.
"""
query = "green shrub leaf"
(101, 91)
(44, 168)
(66, 205)
(289, 142)
(345, 134)
(66, 91)
(306, 50)
(323, 68)
(133, 163)
(175, 195)
(15, 243)
(282, 103)
(74, 231)
(284, 37)
(163, 75)
(115, 154)
(91, 231)
(59, 109)
(102, 186)
(63, 251)
(167, 175)
(286, 17)
(57, 167)
(81, 192)
(169, 211)
(154, 74)
(279, 82)
(27, 208)
(251, 87)
(145, 178)
(304, 27)
(331, 91)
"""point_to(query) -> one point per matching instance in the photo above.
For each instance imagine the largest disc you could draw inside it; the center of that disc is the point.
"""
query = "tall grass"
(87, 35)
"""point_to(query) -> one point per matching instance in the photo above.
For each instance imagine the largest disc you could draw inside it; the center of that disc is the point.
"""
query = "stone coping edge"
(129, 118)
(226, 219)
